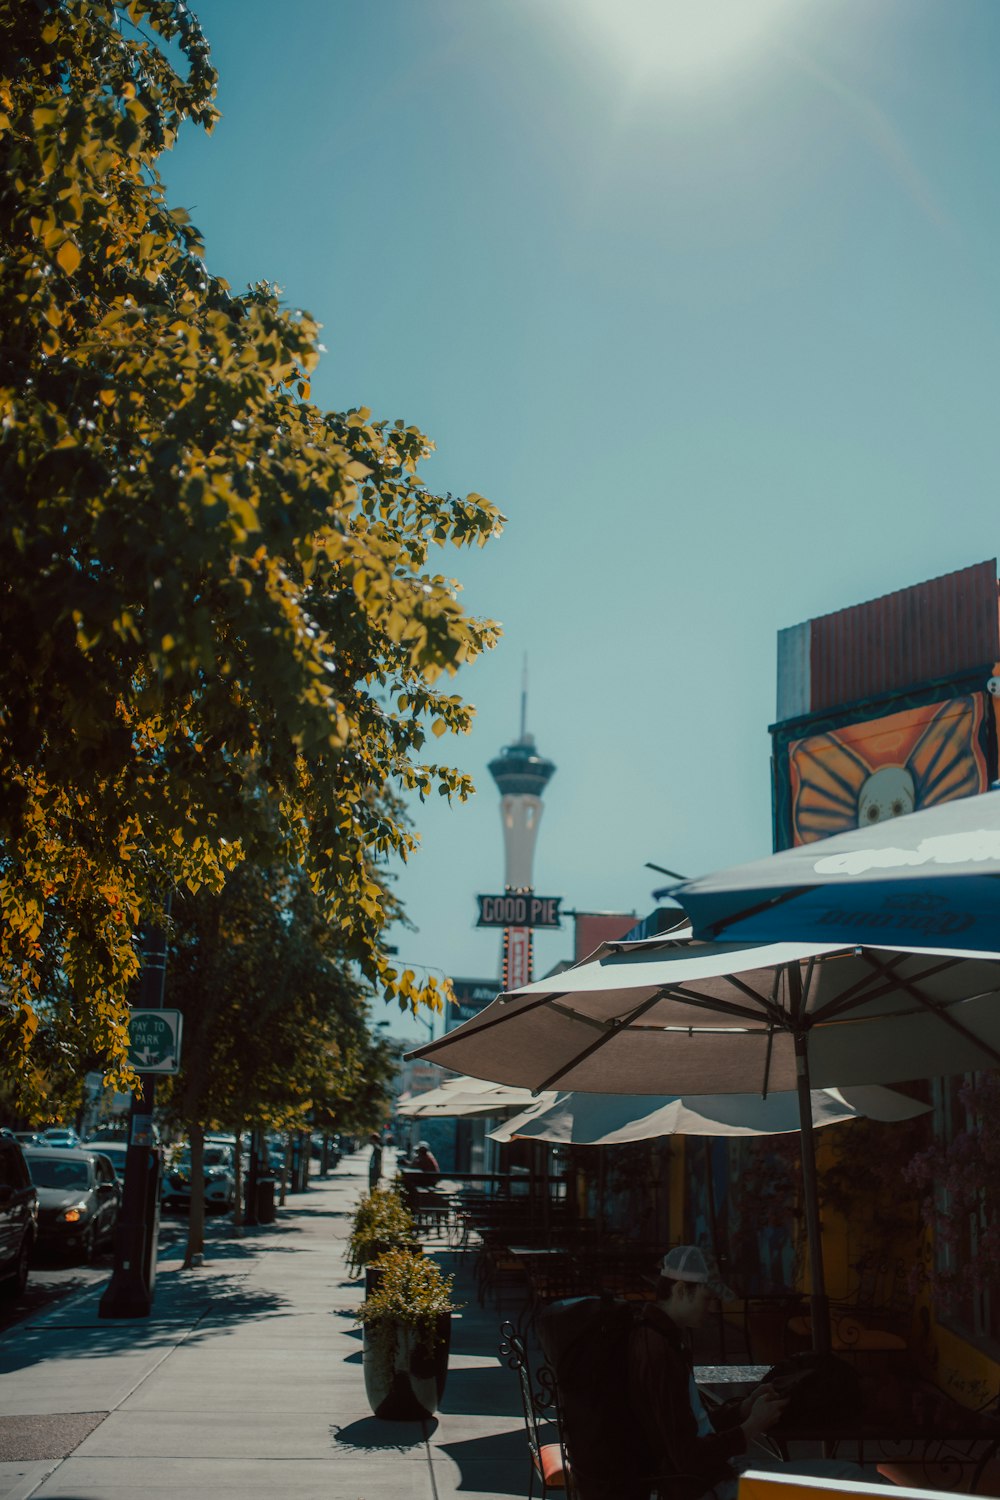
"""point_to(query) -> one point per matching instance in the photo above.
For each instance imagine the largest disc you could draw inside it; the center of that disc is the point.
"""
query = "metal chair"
(548, 1460)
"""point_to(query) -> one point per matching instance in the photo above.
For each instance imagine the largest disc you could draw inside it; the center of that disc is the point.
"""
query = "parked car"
(78, 1198)
(220, 1178)
(28, 1138)
(61, 1135)
(18, 1216)
(116, 1152)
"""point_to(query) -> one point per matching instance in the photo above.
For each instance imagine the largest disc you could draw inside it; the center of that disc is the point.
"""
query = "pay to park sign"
(154, 1041)
(518, 909)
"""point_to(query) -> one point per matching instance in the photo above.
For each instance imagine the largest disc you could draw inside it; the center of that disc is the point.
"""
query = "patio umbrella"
(688, 1017)
(465, 1098)
(575, 1119)
(923, 879)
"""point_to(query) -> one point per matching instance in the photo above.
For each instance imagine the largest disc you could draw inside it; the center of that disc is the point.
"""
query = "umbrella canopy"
(921, 880)
(640, 1018)
(465, 1098)
(689, 1017)
(572, 1119)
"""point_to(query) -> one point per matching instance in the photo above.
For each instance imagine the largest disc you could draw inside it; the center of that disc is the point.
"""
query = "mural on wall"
(863, 773)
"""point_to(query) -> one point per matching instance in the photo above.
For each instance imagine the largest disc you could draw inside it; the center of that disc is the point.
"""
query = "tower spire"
(521, 775)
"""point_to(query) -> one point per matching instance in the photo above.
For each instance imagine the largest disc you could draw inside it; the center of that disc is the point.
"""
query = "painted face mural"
(888, 793)
(864, 773)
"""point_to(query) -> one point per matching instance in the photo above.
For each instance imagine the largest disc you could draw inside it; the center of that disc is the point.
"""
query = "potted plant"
(381, 1222)
(407, 1334)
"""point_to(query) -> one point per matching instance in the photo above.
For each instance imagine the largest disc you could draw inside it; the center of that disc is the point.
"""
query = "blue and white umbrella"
(930, 879)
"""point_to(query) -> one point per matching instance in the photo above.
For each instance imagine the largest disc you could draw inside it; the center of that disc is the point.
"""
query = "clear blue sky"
(703, 293)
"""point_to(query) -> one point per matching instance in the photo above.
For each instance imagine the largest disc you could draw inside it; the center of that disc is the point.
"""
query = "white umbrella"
(465, 1098)
(673, 1014)
(575, 1119)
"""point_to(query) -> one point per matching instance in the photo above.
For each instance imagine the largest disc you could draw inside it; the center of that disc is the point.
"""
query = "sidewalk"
(247, 1380)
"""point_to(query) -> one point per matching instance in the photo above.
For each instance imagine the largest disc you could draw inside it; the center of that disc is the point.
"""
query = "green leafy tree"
(274, 1021)
(223, 633)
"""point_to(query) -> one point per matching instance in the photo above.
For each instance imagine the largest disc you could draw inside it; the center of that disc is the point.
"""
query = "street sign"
(154, 1040)
(472, 996)
(518, 909)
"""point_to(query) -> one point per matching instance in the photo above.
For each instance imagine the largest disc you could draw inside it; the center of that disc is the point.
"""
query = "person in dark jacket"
(693, 1447)
(374, 1162)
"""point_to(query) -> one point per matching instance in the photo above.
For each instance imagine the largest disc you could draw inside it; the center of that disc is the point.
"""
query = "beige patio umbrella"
(576, 1119)
(465, 1098)
(671, 1014)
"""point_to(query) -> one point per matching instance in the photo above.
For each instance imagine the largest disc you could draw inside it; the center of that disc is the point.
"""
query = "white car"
(220, 1179)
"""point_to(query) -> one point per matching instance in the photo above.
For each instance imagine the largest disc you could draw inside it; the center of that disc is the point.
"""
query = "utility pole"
(129, 1293)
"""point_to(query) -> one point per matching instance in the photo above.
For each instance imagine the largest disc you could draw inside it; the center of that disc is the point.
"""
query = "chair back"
(514, 1354)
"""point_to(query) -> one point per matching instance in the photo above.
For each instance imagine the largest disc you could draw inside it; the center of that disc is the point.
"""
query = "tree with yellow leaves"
(223, 635)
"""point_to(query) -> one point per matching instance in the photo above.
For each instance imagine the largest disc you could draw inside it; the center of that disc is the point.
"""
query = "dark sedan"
(18, 1214)
(78, 1199)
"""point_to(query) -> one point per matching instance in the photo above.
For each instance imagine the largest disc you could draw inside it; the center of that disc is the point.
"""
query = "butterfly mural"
(864, 773)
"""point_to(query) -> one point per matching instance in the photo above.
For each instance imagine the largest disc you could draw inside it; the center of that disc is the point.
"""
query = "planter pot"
(405, 1370)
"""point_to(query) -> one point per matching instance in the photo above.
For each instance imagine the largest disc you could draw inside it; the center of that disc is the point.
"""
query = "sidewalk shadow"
(498, 1464)
(371, 1434)
(190, 1311)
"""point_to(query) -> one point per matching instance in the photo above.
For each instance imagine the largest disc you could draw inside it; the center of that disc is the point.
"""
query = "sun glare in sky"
(685, 40)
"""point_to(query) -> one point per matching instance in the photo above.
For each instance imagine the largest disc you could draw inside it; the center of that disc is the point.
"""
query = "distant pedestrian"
(426, 1163)
(375, 1163)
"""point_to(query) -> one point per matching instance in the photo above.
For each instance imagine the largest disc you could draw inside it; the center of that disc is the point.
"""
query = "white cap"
(688, 1263)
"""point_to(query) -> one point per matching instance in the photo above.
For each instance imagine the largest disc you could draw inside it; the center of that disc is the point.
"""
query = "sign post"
(519, 913)
(129, 1293)
(154, 1040)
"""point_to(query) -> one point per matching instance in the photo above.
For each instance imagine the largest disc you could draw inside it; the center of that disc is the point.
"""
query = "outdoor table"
(934, 1434)
(727, 1381)
(962, 1438)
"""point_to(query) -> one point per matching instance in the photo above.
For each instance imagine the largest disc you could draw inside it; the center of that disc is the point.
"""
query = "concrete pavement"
(247, 1380)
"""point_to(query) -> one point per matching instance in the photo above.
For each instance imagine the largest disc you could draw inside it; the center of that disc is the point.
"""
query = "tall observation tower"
(522, 776)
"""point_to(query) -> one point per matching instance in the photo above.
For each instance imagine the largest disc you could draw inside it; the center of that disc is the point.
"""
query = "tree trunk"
(196, 1222)
(238, 1173)
(286, 1167)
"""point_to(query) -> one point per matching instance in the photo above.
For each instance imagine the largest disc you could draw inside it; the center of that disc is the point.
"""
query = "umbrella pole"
(819, 1306)
(713, 1230)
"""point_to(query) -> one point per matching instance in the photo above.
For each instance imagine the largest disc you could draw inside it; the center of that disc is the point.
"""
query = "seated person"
(698, 1451)
(425, 1162)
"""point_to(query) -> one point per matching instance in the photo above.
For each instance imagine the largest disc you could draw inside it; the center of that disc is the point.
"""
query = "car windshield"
(56, 1173)
(215, 1156)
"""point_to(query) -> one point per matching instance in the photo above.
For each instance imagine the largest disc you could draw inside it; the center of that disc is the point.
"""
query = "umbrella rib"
(723, 1007)
(772, 1006)
(864, 991)
(610, 1030)
(943, 1015)
(747, 912)
(447, 1041)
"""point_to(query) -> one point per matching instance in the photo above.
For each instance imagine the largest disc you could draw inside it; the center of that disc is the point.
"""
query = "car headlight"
(76, 1214)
